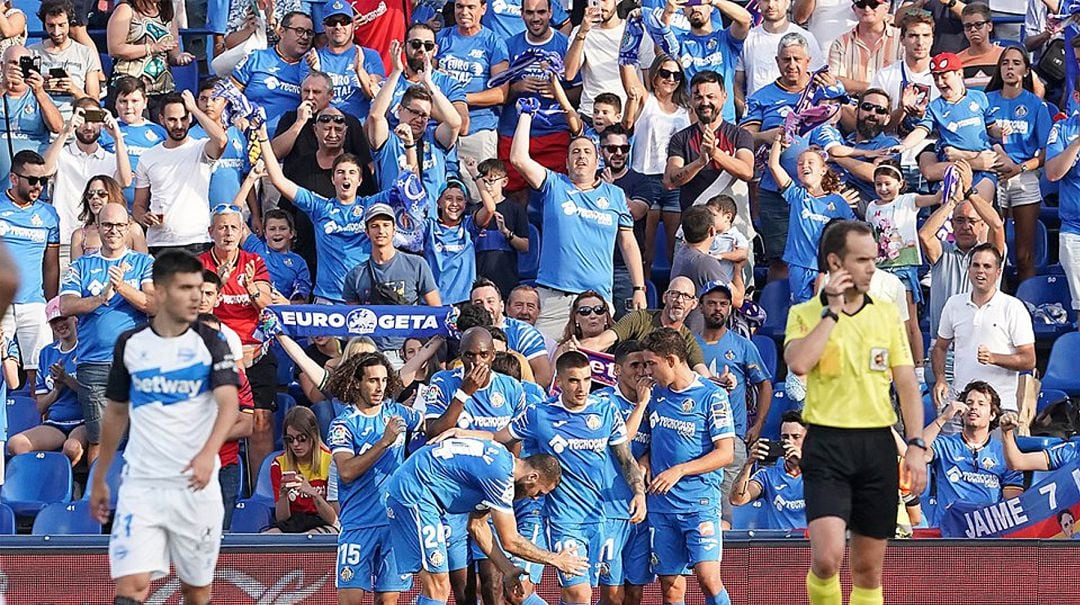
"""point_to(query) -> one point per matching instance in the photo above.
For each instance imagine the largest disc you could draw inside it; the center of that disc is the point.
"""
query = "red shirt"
(317, 477)
(380, 21)
(235, 307)
(230, 450)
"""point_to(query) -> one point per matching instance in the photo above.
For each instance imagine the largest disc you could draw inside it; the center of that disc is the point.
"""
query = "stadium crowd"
(622, 201)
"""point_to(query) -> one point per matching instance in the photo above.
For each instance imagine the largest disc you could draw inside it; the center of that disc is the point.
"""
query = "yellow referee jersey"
(849, 387)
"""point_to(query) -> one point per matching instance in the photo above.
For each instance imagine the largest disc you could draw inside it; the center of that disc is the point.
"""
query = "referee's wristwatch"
(918, 442)
(827, 312)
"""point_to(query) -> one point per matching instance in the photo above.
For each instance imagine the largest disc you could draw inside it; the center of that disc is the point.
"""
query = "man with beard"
(552, 136)
(79, 63)
(172, 182)
(726, 351)
(706, 158)
(703, 48)
(583, 218)
(271, 77)
(679, 300)
(74, 164)
(615, 151)
(420, 50)
(871, 118)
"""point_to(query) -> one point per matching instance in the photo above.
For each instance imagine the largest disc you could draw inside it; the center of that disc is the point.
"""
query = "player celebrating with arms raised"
(176, 381)
(691, 438)
(850, 347)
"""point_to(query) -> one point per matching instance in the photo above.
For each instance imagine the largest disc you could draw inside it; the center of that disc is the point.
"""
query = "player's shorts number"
(432, 539)
(349, 554)
(607, 551)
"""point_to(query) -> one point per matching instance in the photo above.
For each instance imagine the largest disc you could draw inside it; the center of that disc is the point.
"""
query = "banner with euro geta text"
(346, 321)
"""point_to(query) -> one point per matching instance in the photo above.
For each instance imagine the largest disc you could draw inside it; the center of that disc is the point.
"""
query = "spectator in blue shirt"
(356, 71)
(271, 77)
(28, 113)
(1061, 153)
(583, 218)
(871, 119)
(521, 337)
(289, 274)
(779, 485)
(420, 49)
(473, 55)
(228, 172)
(503, 225)
(505, 17)
(970, 466)
(139, 133)
(450, 244)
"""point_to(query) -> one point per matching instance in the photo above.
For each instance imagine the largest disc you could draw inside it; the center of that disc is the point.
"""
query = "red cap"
(944, 62)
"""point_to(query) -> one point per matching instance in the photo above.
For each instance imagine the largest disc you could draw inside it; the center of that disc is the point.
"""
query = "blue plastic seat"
(60, 519)
(767, 349)
(22, 414)
(285, 365)
(661, 267)
(106, 65)
(775, 300)
(652, 297)
(252, 516)
(1042, 247)
(35, 480)
(285, 402)
(1061, 371)
(7, 520)
(748, 516)
(325, 412)
(1048, 396)
(186, 77)
(263, 488)
(112, 478)
(1048, 289)
(529, 262)
(1036, 444)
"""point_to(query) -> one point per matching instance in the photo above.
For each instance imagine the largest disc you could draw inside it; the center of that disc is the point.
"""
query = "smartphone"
(29, 64)
(57, 72)
(776, 452)
(288, 478)
(923, 92)
(94, 115)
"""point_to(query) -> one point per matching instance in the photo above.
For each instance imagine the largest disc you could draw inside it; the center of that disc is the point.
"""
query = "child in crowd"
(503, 226)
(729, 246)
(449, 244)
(813, 203)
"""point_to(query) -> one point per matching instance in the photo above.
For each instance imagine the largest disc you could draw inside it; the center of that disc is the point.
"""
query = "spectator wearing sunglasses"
(640, 196)
(871, 118)
(299, 477)
(172, 183)
(271, 77)
(873, 43)
(589, 318)
(420, 49)
(679, 300)
(355, 71)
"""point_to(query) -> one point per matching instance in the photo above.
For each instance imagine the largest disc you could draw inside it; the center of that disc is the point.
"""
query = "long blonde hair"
(356, 346)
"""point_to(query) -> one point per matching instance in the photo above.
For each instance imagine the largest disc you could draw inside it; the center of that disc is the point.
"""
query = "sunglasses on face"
(330, 119)
(97, 193)
(667, 74)
(297, 439)
(427, 45)
(338, 22)
(878, 109)
(587, 311)
(974, 25)
(867, 3)
(33, 180)
(617, 148)
(225, 209)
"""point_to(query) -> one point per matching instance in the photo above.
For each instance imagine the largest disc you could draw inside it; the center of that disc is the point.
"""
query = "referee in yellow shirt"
(851, 347)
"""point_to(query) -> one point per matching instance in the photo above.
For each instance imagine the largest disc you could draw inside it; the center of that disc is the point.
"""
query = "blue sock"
(534, 599)
(422, 600)
(720, 599)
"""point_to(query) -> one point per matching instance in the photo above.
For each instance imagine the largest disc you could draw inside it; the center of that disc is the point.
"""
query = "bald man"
(679, 300)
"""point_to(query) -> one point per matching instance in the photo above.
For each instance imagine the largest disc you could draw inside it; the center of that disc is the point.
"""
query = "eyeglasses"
(676, 295)
(97, 193)
(112, 226)
(301, 32)
(878, 109)
(33, 180)
(418, 114)
(867, 3)
(974, 25)
(963, 220)
(338, 21)
(427, 45)
(226, 209)
(328, 119)
(587, 311)
(290, 439)
(617, 148)
(667, 74)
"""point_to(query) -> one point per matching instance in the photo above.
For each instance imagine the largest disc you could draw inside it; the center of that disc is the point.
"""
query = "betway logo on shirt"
(569, 208)
(153, 385)
(167, 386)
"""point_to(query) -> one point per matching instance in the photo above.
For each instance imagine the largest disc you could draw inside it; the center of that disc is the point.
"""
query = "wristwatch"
(827, 312)
(640, 289)
(918, 442)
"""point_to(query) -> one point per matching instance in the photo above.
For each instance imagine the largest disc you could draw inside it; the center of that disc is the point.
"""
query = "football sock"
(823, 592)
(719, 599)
(867, 596)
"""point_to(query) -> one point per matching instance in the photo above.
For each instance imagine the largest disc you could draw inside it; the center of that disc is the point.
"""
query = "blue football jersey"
(88, 276)
(741, 357)
(271, 82)
(1060, 455)
(469, 59)
(489, 409)
(580, 440)
(973, 476)
(289, 273)
(961, 124)
(523, 338)
(715, 51)
(1030, 121)
(390, 161)
(782, 493)
(348, 96)
(28, 231)
(65, 410)
(684, 426)
(354, 432)
(1062, 135)
(230, 170)
(807, 217)
(457, 475)
(451, 253)
(617, 499)
(555, 118)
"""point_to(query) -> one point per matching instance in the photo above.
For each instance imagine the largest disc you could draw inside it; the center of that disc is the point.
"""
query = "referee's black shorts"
(852, 474)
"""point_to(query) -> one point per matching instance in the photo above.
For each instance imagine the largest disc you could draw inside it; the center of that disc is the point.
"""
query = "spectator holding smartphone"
(299, 476)
(778, 479)
(71, 69)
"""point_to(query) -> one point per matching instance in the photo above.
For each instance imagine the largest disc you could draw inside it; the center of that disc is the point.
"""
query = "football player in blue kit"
(475, 477)
(624, 567)
(691, 440)
(367, 441)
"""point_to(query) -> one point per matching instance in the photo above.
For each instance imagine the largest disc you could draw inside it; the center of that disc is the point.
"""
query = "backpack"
(1060, 419)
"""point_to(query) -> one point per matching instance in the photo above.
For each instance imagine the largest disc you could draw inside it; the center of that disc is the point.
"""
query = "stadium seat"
(652, 297)
(1048, 396)
(775, 300)
(35, 480)
(1048, 289)
(252, 516)
(285, 402)
(1036, 444)
(112, 478)
(748, 516)
(7, 520)
(325, 412)
(22, 414)
(263, 490)
(1061, 371)
(1042, 254)
(929, 409)
(106, 65)
(529, 262)
(767, 349)
(780, 404)
(186, 77)
(66, 520)
(285, 365)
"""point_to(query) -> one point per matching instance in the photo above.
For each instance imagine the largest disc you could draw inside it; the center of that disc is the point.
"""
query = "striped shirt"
(850, 57)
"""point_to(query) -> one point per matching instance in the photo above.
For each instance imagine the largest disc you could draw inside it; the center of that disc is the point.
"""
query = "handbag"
(1051, 65)
(226, 62)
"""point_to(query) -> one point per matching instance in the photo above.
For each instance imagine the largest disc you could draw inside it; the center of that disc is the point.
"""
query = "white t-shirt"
(74, 169)
(830, 20)
(179, 182)
(77, 60)
(758, 58)
(652, 132)
(898, 231)
(600, 70)
(885, 285)
(1002, 325)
